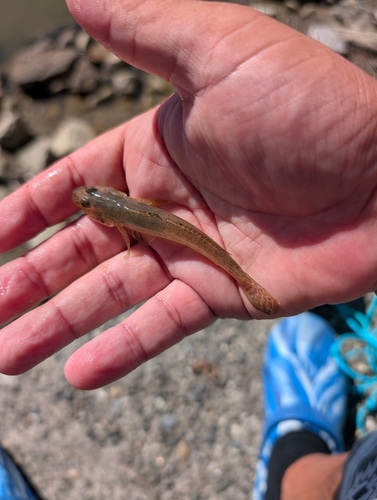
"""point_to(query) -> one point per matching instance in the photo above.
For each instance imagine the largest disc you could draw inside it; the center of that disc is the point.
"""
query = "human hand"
(267, 146)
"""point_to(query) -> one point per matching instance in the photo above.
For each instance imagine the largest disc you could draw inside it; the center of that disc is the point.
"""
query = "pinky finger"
(164, 320)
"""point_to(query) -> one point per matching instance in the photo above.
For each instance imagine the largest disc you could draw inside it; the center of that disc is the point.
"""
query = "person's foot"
(304, 391)
(13, 484)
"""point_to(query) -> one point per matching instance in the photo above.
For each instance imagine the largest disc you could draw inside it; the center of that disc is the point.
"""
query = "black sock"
(287, 450)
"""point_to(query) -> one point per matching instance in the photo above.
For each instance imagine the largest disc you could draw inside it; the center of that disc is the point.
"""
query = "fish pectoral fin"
(126, 238)
(144, 239)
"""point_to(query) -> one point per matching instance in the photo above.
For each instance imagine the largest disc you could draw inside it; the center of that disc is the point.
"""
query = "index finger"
(46, 199)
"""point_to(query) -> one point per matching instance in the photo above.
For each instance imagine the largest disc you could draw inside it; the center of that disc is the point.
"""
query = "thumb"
(177, 39)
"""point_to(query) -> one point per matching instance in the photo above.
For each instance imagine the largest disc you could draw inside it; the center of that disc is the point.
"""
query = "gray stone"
(10, 382)
(82, 41)
(2, 89)
(125, 82)
(267, 8)
(97, 54)
(292, 5)
(4, 164)
(363, 39)
(84, 77)
(66, 38)
(168, 422)
(13, 131)
(102, 94)
(307, 11)
(37, 64)
(71, 134)
(156, 85)
(328, 36)
(4, 192)
(32, 158)
(44, 235)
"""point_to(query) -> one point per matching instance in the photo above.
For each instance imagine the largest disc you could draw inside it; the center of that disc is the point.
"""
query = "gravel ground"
(183, 426)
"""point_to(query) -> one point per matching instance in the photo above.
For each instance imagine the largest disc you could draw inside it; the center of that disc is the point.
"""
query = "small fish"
(145, 222)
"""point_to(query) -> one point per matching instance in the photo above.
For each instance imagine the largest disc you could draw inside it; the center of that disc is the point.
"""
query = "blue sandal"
(303, 388)
(13, 485)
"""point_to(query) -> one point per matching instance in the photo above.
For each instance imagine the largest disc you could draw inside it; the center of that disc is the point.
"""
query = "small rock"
(182, 450)
(125, 82)
(9, 382)
(205, 367)
(363, 39)
(37, 64)
(66, 38)
(34, 242)
(307, 10)
(13, 131)
(371, 423)
(156, 85)
(326, 35)
(115, 391)
(2, 90)
(115, 409)
(32, 158)
(102, 94)
(84, 77)
(72, 473)
(71, 134)
(4, 164)
(82, 41)
(223, 485)
(168, 422)
(56, 86)
(4, 192)
(292, 5)
(112, 61)
(160, 404)
(97, 54)
(267, 8)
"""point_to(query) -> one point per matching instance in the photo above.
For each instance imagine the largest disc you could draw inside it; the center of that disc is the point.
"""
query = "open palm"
(268, 146)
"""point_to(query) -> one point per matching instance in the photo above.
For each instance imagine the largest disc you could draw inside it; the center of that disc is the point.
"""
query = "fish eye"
(85, 202)
(91, 190)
